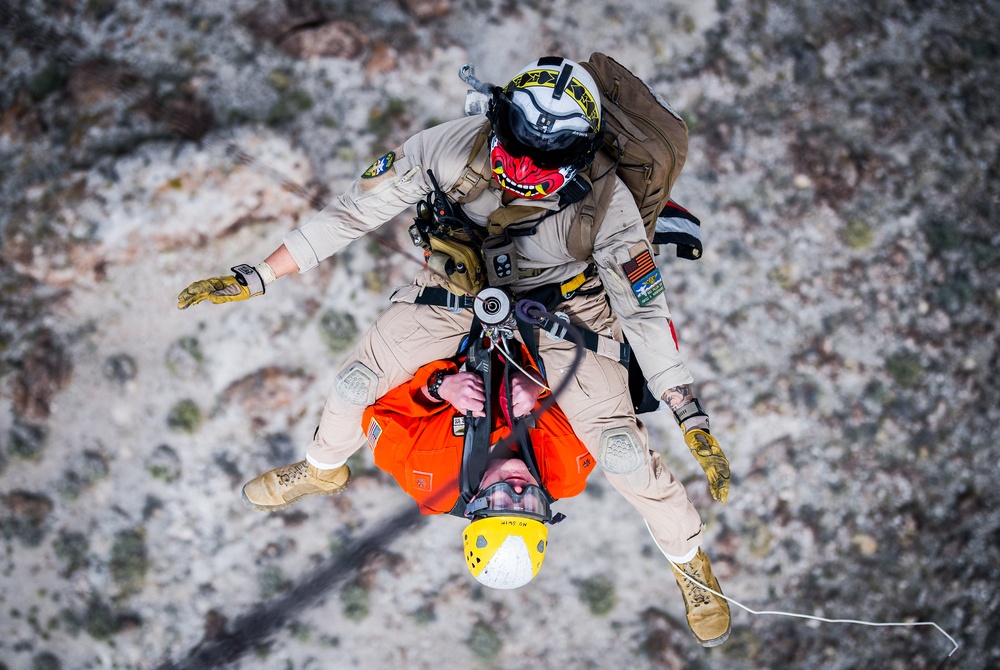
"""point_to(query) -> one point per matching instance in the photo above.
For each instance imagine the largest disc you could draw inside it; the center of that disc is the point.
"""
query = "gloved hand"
(246, 283)
(709, 455)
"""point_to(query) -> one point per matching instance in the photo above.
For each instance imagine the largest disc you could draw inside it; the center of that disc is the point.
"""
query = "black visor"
(546, 150)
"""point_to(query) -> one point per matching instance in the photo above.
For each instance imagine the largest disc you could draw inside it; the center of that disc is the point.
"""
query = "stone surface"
(841, 326)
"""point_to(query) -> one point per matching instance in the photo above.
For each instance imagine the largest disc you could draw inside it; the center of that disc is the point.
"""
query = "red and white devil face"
(519, 174)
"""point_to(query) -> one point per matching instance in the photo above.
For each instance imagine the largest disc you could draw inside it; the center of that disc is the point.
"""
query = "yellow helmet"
(505, 552)
(505, 544)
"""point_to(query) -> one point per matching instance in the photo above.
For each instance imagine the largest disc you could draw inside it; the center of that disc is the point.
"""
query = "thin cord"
(510, 359)
(802, 616)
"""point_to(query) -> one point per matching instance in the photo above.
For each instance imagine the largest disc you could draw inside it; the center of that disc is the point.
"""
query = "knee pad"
(621, 451)
(357, 385)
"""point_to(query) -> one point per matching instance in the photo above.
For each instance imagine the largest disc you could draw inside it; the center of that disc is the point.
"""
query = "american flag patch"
(374, 432)
(639, 267)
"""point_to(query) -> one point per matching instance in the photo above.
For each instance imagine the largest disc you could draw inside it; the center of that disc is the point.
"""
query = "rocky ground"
(841, 325)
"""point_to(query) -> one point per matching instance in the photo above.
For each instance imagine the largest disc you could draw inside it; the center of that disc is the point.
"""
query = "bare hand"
(524, 392)
(465, 392)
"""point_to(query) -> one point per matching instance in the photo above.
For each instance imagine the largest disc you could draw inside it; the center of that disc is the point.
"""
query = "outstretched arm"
(246, 281)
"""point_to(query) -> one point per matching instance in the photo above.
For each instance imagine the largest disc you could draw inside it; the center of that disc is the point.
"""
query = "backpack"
(646, 145)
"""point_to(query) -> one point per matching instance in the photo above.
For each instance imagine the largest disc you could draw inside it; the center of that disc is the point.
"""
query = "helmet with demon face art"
(546, 127)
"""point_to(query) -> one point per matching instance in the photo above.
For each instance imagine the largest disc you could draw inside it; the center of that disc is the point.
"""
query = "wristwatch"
(434, 383)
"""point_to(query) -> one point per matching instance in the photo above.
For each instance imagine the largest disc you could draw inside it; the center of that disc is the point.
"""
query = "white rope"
(510, 359)
(804, 616)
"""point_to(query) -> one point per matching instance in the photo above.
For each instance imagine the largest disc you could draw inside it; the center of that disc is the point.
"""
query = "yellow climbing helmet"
(505, 552)
(505, 543)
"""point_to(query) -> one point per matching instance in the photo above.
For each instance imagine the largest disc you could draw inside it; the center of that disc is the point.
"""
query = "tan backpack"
(648, 139)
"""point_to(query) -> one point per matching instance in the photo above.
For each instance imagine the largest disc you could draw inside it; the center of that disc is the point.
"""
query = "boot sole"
(275, 508)
(715, 642)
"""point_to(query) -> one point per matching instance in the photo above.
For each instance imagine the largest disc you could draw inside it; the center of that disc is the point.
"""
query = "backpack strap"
(594, 206)
(476, 177)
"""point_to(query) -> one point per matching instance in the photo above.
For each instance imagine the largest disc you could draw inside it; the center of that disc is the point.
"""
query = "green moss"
(597, 593)
(26, 441)
(858, 235)
(164, 464)
(299, 631)
(381, 120)
(185, 417)
(339, 330)
(782, 276)
(129, 562)
(280, 80)
(271, 582)
(941, 235)
(99, 9)
(424, 615)
(355, 600)
(905, 369)
(120, 368)
(484, 641)
(25, 516)
(46, 660)
(47, 81)
(290, 105)
(101, 622)
(71, 547)
(184, 357)
(90, 468)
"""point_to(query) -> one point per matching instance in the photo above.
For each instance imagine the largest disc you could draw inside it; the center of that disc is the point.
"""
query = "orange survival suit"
(420, 443)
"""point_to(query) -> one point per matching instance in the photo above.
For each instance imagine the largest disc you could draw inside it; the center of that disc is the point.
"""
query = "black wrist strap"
(434, 383)
(248, 276)
(689, 411)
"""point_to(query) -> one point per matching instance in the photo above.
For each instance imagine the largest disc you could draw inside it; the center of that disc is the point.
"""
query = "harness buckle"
(555, 329)
(455, 302)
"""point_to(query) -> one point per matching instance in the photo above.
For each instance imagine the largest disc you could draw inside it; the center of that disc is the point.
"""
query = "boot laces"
(289, 475)
(696, 595)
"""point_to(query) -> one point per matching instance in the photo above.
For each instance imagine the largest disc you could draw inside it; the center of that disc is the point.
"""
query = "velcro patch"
(645, 277)
(639, 267)
(374, 432)
(423, 481)
(380, 166)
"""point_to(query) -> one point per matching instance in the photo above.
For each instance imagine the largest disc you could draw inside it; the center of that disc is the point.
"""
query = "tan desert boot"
(707, 614)
(283, 486)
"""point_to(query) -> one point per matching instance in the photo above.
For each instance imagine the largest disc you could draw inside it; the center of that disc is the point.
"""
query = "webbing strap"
(439, 297)
(476, 177)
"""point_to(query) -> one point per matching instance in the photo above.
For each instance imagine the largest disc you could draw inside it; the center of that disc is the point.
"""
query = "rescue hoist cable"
(797, 615)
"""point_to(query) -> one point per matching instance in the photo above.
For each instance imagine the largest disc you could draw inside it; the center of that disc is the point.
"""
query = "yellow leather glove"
(709, 455)
(245, 283)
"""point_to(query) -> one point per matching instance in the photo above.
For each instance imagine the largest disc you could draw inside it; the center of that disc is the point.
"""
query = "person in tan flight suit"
(544, 129)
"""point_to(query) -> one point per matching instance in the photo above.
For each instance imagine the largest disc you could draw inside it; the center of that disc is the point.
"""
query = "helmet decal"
(575, 89)
(520, 176)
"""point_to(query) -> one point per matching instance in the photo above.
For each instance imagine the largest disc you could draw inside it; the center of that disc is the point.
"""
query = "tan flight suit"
(407, 336)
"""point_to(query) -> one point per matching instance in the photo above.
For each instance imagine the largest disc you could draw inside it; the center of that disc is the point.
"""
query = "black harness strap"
(476, 450)
(433, 295)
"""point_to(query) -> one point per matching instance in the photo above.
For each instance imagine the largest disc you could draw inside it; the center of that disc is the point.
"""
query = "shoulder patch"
(374, 432)
(380, 166)
(644, 277)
